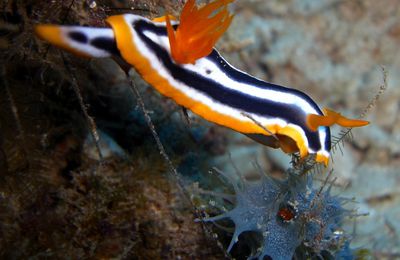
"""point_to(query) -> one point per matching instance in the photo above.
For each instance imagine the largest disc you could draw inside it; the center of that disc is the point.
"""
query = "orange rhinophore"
(198, 31)
(330, 118)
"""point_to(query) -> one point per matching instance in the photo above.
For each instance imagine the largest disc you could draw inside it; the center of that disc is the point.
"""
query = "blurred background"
(334, 50)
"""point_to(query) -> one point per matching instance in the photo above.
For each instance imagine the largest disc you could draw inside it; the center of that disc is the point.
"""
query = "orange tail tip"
(198, 31)
(54, 35)
(331, 118)
(50, 33)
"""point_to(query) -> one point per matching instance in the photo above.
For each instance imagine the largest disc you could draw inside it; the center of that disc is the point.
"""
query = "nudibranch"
(179, 60)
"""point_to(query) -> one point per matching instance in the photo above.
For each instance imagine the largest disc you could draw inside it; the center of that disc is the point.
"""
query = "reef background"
(56, 199)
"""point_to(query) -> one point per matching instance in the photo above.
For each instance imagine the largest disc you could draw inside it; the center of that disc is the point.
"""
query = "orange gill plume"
(198, 31)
